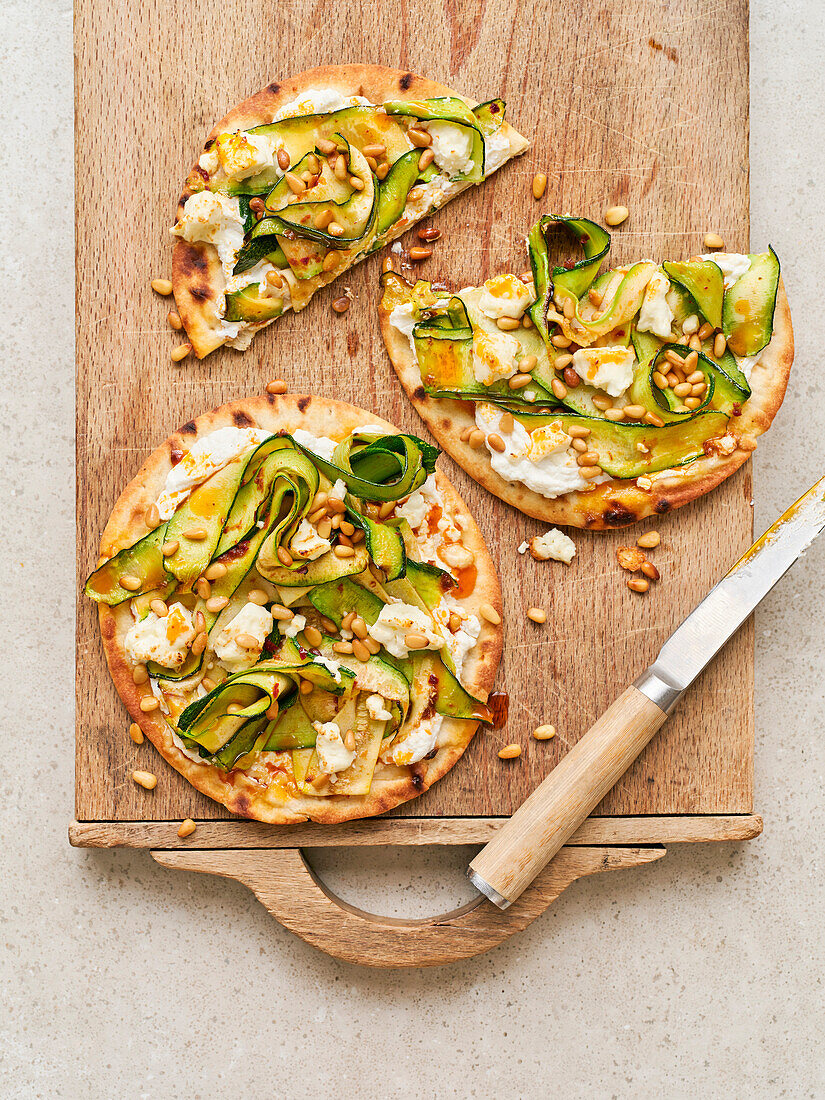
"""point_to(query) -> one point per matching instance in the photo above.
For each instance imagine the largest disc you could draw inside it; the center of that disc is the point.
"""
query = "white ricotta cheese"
(162, 639)
(494, 357)
(376, 709)
(609, 369)
(307, 544)
(656, 316)
(746, 364)
(504, 296)
(242, 155)
(452, 146)
(207, 455)
(542, 460)
(416, 744)
(339, 489)
(496, 152)
(403, 319)
(256, 274)
(293, 627)
(414, 509)
(252, 620)
(554, 544)
(396, 621)
(733, 265)
(320, 445)
(463, 641)
(319, 101)
(333, 754)
(214, 219)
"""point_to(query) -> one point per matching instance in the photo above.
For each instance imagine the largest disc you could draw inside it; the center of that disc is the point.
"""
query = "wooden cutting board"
(644, 104)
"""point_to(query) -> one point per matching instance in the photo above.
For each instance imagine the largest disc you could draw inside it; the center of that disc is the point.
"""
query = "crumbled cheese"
(252, 620)
(554, 544)
(293, 626)
(656, 316)
(161, 639)
(452, 146)
(463, 641)
(543, 460)
(396, 621)
(307, 544)
(208, 454)
(321, 445)
(339, 489)
(318, 101)
(524, 547)
(333, 754)
(496, 151)
(376, 709)
(609, 369)
(209, 161)
(494, 357)
(416, 744)
(414, 509)
(242, 155)
(733, 265)
(504, 296)
(214, 219)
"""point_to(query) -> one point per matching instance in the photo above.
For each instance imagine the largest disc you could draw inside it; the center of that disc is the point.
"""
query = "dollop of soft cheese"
(242, 155)
(656, 316)
(403, 319)
(162, 639)
(609, 369)
(207, 455)
(452, 146)
(464, 639)
(333, 754)
(319, 101)
(746, 364)
(494, 357)
(396, 621)
(496, 151)
(252, 620)
(376, 709)
(307, 544)
(543, 460)
(504, 296)
(320, 445)
(416, 744)
(733, 265)
(554, 544)
(293, 626)
(214, 219)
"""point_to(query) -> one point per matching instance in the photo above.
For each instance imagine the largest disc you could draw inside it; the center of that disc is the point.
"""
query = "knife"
(558, 806)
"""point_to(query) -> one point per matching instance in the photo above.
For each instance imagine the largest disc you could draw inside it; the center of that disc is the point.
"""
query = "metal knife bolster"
(658, 689)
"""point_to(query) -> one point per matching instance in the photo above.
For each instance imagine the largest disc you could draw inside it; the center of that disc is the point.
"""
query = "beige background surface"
(697, 976)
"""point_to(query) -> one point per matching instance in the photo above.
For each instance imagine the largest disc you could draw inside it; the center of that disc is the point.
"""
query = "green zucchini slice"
(447, 109)
(747, 315)
(703, 281)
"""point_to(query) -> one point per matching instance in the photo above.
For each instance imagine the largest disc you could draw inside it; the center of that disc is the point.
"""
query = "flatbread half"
(279, 801)
(615, 503)
(197, 275)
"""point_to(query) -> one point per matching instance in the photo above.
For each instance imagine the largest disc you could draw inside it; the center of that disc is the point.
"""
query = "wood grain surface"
(617, 102)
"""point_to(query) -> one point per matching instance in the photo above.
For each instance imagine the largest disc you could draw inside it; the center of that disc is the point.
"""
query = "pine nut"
(347, 528)
(342, 647)
(343, 551)
(649, 540)
(386, 509)
(430, 233)
(325, 146)
(571, 379)
(588, 458)
(216, 603)
(152, 517)
(356, 184)
(330, 261)
(539, 185)
(420, 138)
(186, 828)
(203, 588)
(426, 159)
(199, 621)
(537, 615)
(129, 582)
(719, 345)
(559, 389)
(162, 287)
(579, 445)
(196, 534)
(148, 704)
(682, 389)
(417, 254)
(247, 641)
(614, 414)
(283, 159)
(274, 278)
(638, 584)
(519, 381)
(280, 613)
(273, 710)
(373, 646)
(713, 240)
(568, 308)
(652, 418)
(348, 619)
(159, 607)
(673, 379)
(169, 548)
(415, 641)
(257, 596)
(140, 674)
(375, 150)
(173, 320)
(341, 305)
(349, 740)
(674, 358)
(695, 378)
(602, 403)
(360, 651)
(215, 571)
(146, 780)
(284, 556)
(697, 389)
(691, 362)
(705, 331)
(578, 432)
(336, 504)
(136, 733)
(180, 352)
(588, 472)
(615, 215)
(489, 614)
(359, 628)
(383, 171)
(335, 230)
(328, 625)
(544, 733)
(294, 183)
(693, 402)
(207, 684)
(199, 643)
(694, 343)
(476, 439)
(634, 412)
(595, 297)
(506, 423)
(509, 752)
(496, 442)
(234, 708)
(650, 570)
(305, 686)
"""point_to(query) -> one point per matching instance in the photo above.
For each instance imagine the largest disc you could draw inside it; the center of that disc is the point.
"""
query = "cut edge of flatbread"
(240, 793)
(197, 275)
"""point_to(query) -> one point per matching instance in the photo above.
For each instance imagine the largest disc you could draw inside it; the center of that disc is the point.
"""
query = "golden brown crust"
(614, 503)
(197, 275)
(238, 792)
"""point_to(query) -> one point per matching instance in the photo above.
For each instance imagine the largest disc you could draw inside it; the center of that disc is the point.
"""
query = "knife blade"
(558, 806)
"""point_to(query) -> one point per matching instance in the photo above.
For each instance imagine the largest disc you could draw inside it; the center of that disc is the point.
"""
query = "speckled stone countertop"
(699, 975)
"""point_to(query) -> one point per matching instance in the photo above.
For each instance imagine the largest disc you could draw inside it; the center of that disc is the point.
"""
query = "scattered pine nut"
(136, 733)
(129, 582)
(650, 570)
(509, 752)
(544, 733)
(537, 615)
(140, 674)
(276, 386)
(713, 240)
(429, 234)
(149, 704)
(146, 780)
(616, 215)
(476, 439)
(418, 254)
(649, 540)
(162, 287)
(489, 614)
(341, 305)
(188, 826)
(179, 353)
(638, 584)
(174, 321)
(539, 185)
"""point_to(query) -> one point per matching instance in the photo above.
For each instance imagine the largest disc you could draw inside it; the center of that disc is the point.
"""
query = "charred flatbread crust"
(614, 503)
(242, 794)
(197, 276)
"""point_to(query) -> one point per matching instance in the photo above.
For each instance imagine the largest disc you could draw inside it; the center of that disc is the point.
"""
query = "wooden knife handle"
(556, 808)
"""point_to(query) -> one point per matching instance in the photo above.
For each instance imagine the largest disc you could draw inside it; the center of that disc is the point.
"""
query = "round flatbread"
(613, 503)
(270, 795)
(197, 275)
